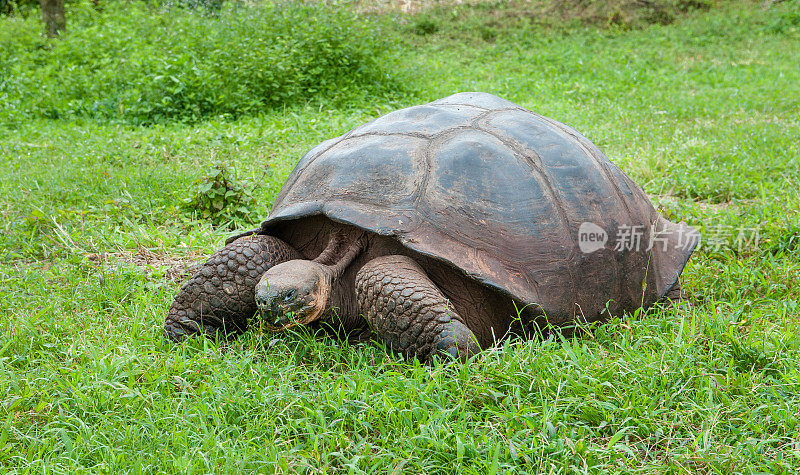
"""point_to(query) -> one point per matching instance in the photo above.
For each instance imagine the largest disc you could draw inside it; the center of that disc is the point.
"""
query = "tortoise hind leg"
(409, 312)
(221, 294)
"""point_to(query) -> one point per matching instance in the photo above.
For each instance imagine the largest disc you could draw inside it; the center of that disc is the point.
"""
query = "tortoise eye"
(290, 295)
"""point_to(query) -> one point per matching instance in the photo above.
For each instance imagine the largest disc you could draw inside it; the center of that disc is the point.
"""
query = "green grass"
(704, 113)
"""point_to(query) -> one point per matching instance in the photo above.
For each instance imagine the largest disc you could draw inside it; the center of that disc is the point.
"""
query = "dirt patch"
(153, 264)
(406, 7)
(667, 204)
(714, 207)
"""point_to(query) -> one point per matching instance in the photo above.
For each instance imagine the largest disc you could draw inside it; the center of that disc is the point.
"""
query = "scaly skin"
(220, 296)
(409, 312)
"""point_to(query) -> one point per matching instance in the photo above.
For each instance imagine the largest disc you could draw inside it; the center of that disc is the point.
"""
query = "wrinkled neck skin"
(322, 294)
(341, 251)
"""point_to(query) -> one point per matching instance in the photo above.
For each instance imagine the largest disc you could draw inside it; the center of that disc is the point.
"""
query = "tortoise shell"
(502, 194)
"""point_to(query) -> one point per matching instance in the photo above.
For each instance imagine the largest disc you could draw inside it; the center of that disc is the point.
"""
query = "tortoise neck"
(341, 251)
(329, 256)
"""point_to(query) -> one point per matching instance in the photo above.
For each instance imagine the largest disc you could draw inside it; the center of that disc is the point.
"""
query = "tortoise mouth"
(279, 318)
(278, 315)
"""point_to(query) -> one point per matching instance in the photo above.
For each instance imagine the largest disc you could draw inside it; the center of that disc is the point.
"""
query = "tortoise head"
(293, 293)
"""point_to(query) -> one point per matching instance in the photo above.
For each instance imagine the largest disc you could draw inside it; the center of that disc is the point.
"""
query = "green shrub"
(424, 25)
(143, 64)
(209, 6)
(220, 198)
(8, 7)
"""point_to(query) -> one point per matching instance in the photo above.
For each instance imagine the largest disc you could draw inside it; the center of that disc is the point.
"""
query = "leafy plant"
(207, 6)
(220, 198)
(424, 25)
(8, 7)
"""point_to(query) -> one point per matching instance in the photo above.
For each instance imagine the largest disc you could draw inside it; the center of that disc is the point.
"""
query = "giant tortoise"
(440, 229)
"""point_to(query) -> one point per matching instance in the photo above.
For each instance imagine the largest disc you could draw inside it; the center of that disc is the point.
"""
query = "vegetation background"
(132, 144)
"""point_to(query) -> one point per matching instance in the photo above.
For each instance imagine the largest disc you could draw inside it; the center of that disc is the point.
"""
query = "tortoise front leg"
(409, 312)
(221, 295)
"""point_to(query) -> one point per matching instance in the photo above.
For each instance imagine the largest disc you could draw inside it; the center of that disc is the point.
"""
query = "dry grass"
(153, 264)
(617, 12)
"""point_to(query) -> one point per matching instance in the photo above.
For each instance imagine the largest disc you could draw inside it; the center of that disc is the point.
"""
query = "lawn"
(96, 236)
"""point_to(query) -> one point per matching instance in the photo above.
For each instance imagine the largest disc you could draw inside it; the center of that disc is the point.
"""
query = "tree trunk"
(53, 17)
